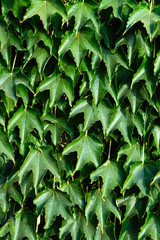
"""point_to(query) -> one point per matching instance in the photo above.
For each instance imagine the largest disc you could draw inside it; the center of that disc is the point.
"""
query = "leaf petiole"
(14, 61)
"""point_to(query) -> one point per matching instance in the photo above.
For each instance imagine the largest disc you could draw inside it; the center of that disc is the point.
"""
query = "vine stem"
(54, 179)
(143, 152)
(14, 61)
(154, 49)
(151, 4)
(38, 222)
(55, 110)
(109, 151)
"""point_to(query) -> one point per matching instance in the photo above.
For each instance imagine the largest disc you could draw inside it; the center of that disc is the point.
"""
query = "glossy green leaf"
(9, 81)
(134, 154)
(112, 62)
(141, 175)
(98, 85)
(112, 174)
(134, 206)
(147, 15)
(77, 227)
(75, 192)
(56, 126)
(41, 55)
(121, 120)
(100, 206)
(26, 120)
(79, 43)
(39, 161)
(150, 227)
(129, 229)
(5, 146)
(108, 233)
(117, 6)
(45, 9)
(156, 65)
(23, 226)
(145, 73)
(90, 112)
(88, 149)
(84, 11)
(14, 6)
(20, 227)
(55, 203)
(57, 86)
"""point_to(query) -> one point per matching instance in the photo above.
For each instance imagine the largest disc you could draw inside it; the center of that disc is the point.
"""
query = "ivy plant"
(79, 119)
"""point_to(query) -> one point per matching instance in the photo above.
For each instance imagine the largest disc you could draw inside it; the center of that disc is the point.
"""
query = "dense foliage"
(79, 119)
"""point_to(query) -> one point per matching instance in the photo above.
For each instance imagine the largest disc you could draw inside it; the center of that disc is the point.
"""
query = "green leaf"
(23, 226)
(45, 9)
(144, 72)
(90, 112)
(9, 81)
(157, 65)
(79, 43)
(134, 153)
(33, 38)
(112, 62)
(60, 205)
(20, 227)
(5, 229)
(143, 122)
(121, 120)
(134, 206)
(3, 199)
(26, 120)
(148, 15)
(141, 174)
(108, 234)
(135, 43)
(77, 227)
(39, 161)
(41, 55)
(74, 190)
(56, 126)
(117, 6)
(155, 196)
(129, 229)
(98, 85)
(137, 95)
(8, 36)
(57, 86)
(100, 206)
(6, 193)
(8, 103)
(88, 148)
(112, 174)
(5, 146)
(150, 227)
(23, 93)
(156, 135)
(105, 112)
(14, 6)
(3, 32)
(84, 11)
(156, 178)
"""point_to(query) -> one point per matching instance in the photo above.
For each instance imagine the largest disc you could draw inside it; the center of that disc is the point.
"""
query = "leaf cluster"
(79, 119)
